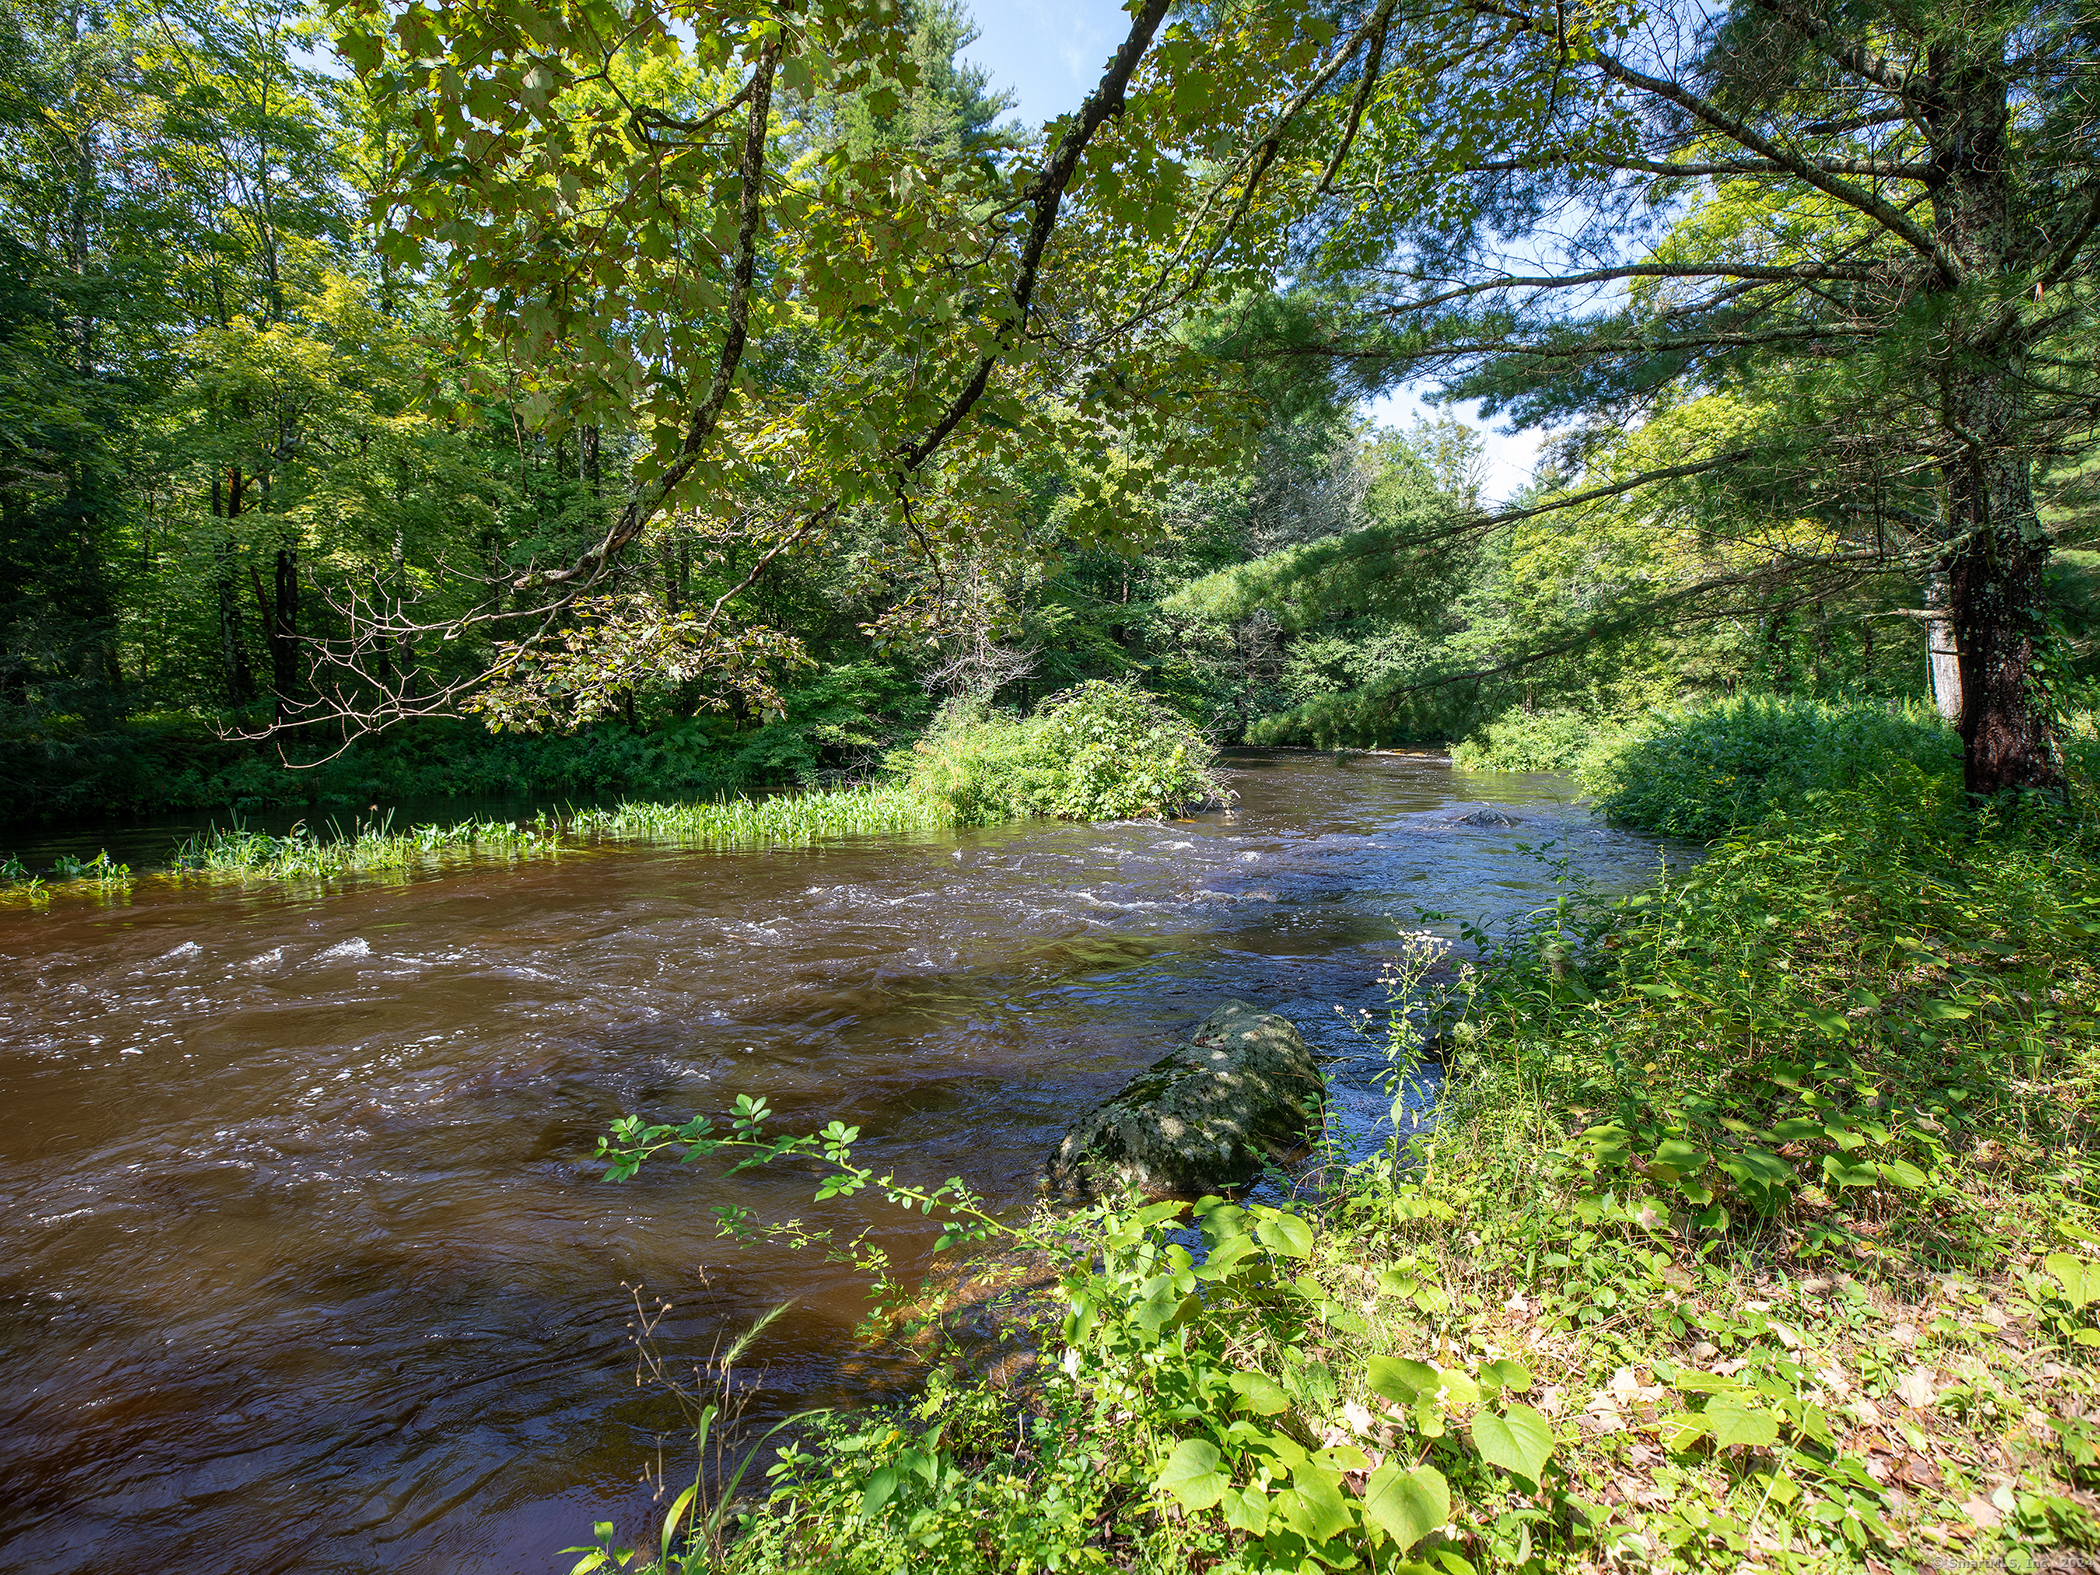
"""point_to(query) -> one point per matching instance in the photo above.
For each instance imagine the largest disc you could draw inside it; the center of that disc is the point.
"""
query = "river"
(303, 1262)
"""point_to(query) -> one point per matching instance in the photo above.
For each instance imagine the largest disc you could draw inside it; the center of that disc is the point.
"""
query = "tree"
(1875, 221)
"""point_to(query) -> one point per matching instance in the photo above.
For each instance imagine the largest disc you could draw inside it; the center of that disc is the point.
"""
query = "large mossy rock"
(1241, 1091)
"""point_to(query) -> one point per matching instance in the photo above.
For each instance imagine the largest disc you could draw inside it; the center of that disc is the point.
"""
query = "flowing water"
(303, 1262)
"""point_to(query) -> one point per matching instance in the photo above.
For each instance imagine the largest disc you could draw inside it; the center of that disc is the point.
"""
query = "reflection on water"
(302, 1263)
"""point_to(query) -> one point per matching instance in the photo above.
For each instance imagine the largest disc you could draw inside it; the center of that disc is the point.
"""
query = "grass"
(239, 853)
(789, 820)
(1758, 1229)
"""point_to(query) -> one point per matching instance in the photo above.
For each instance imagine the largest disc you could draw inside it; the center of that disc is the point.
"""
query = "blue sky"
(1049, 53)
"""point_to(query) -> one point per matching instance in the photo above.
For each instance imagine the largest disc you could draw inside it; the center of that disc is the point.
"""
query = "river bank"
(1756, 1228)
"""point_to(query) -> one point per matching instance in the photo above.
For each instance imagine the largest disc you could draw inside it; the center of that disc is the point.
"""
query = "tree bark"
(1994, 581)
(1997, 549)
(1942, 655)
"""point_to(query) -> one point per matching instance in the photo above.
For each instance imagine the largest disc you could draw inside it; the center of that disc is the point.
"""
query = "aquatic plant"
(101, 875)
(238, 852)
(784, 819)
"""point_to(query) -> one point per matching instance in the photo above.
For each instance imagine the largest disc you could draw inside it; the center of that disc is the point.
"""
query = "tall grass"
(376, 848)
(788, 820)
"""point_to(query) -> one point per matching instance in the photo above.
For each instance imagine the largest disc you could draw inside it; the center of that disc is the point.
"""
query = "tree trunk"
(281, 629)
(1942, 655)
(1994, 582)
(1997, 548)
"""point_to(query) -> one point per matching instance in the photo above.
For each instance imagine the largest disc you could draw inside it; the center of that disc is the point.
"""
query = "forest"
(895, 592)
(368, 405)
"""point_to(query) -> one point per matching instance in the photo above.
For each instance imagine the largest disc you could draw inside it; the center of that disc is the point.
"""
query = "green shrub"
(1098, 751)
(1706, 772)
(1520, 740)
(1110, 751)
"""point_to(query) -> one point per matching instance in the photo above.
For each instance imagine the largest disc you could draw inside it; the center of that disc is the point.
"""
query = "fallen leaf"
(1918, 1388)
(1904, 1334)
(1983, 1512)
(1919, 1472)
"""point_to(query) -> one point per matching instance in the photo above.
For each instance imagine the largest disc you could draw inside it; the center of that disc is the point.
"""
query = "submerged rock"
(1486, 817)
(1241, 1091)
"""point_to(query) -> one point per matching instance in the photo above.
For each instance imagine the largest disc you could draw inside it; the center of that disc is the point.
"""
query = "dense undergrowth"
(1757, 1228)
(836, 723)
(1099, 751)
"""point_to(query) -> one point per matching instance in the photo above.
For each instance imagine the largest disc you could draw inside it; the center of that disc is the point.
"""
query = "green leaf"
(1507, 1373)
(1679, 1433)
(880, 1486)
(1313, 1505)
(1246, 1510)
(1901, 1173)
(1519, 1441)
(2080, 1280)
(1401, 1380)
(1191, 1474)
(1686, 1159)
(1259, 1393)
(1734, 1423)
(1841, 1174)
(1285, 1234)
(1407, 1505)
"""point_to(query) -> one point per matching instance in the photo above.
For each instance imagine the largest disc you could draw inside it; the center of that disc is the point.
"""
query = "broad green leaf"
(1519, 1441)
(1407, 1505)
(1507, 1373)
(1246, 1510)
(1679, 1433)
(1901, 1173)
(1286, 1234)
(1686, 1159)
(880, 1486)
(2080, 1280)
(1734, 1423)
(1313, 1505)
(1402, 1380)
(1191, 1474)
(1259, 1393)
(1397, 1282)
(1837, 1171)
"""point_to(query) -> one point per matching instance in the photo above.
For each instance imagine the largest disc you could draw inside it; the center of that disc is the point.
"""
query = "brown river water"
(304, 1264)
